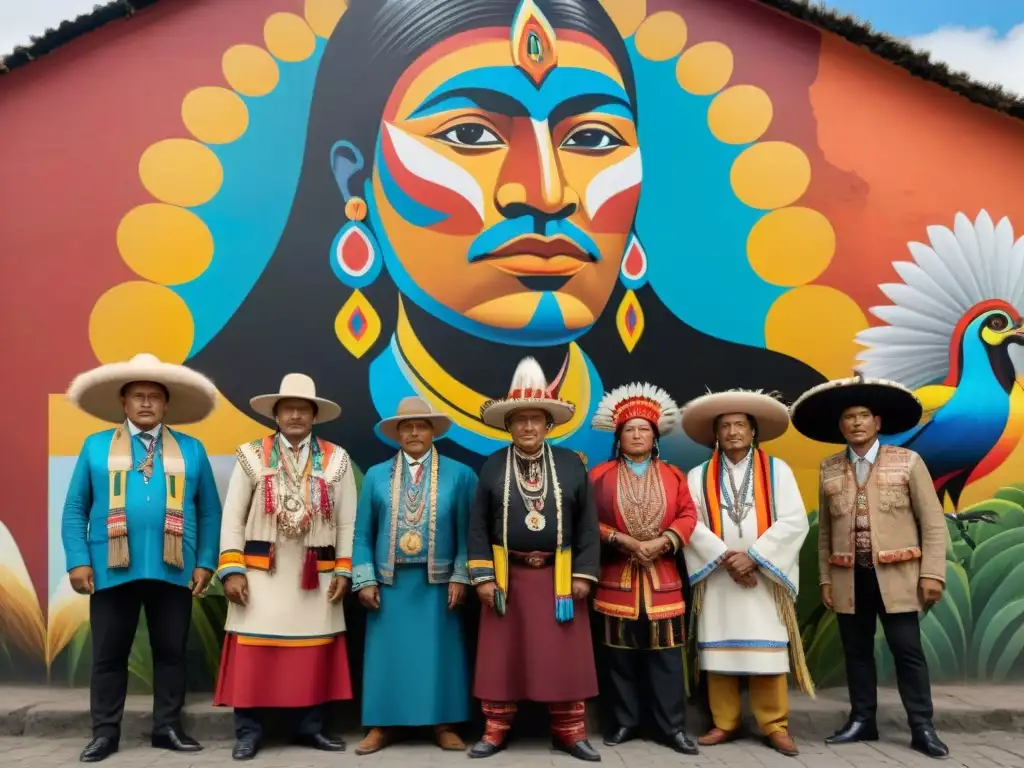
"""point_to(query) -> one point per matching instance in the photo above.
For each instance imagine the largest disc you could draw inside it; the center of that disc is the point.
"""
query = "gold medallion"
(411, 543)
(535, 521)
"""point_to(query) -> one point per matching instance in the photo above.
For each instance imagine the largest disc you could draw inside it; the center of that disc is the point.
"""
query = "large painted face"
(506, 204)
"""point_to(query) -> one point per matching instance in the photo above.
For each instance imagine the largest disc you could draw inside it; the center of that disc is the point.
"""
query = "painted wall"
(748, 203)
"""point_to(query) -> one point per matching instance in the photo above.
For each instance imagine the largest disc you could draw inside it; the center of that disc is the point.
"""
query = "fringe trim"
(173, 550)
(787, 615)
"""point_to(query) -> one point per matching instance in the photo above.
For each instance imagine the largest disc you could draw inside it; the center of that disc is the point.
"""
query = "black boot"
(854, 731)
(926, 741)
(581, 750)
(98, 749)
(682, 743)
(620, 736)
(484, 748)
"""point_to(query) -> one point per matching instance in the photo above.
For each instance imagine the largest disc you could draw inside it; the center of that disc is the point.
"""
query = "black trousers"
(114, 618)
(903, 634)
(631, 672)
(249, 722)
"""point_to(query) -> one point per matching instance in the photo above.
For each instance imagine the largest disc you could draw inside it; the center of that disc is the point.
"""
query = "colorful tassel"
(268, 496)
(564, 609)
(310, 577)
(326, 509)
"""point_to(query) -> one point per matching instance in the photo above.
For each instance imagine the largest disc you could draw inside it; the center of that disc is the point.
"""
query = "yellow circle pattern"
(740, 114)
(289, 37)
(816, 324)
(250, 70)
(138, 317)
(705, 69)
(626, 14)
(661, 36)
(323, 15)
(180, 172)
(214, 115)
(164, 243)
(791, 246)
(771, 174)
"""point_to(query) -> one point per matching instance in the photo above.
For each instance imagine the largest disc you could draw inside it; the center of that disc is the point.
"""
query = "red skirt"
(267, 676)
(526, 655)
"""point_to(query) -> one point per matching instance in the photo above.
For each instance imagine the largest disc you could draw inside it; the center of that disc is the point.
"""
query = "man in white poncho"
(743, 562)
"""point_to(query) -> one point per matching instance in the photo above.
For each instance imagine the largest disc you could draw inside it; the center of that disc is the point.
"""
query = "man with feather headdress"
(646, 515)
(743, 560)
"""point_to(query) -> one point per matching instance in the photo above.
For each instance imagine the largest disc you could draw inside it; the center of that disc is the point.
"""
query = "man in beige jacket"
(881, 545)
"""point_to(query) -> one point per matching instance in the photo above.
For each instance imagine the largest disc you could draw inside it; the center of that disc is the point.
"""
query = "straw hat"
(529, 390)
(699, 414)
(297, 386)
(98, 392)
(413, 408)
(816, 413)
(636, 401)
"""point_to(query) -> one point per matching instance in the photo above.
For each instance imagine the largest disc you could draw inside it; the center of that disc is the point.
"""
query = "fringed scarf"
(119, 464)
(564, 609)
(764, 510)
(316, 497)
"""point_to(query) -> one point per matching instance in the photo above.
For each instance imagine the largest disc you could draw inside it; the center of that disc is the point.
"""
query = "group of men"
(534, 535)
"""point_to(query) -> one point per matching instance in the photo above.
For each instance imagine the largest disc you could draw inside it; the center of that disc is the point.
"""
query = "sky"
(984, 38)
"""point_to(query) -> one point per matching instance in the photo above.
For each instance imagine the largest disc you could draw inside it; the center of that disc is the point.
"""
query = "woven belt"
(531, 559)
(863, 560)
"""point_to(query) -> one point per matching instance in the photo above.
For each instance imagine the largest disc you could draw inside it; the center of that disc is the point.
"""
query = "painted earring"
(356, 259)
(629, 318)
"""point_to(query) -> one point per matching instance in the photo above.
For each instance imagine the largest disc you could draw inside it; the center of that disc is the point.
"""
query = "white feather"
(959, 268)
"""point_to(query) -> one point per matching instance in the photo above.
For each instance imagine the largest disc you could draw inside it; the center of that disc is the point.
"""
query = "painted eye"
(592, 139)
(469, 135)
(998, 322)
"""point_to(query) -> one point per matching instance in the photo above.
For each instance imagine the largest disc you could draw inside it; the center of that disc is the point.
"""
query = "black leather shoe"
(98, 749)
(174, 740)
(245, 749)
(682, 743)
(581, 750)
(485, 749)
(927, 742)
(621, 736)
(854, 731)
(321, 742)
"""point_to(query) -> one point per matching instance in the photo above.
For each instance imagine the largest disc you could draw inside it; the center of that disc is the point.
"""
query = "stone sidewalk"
(977, 750)
(60, 712)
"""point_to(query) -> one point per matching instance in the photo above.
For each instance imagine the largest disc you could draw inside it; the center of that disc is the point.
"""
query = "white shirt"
(134, 430)
(303, 448)
(410, 463)
(862, 464)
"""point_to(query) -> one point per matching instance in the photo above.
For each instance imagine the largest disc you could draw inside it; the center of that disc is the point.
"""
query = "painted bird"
(954, 333)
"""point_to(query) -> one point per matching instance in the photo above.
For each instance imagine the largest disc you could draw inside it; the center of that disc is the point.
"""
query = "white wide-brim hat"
(296, 386)
(700, 413)
(816, 413)
(192, 396)
(529, 391)
(413, 408)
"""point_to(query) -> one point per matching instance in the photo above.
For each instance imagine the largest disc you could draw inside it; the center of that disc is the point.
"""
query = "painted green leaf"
(1012, 653)
(1000, 555)
(204, 629)
(949, 664)
(1011, 493)
(1010, 589)
(1004, 623)
(950, 611)
(808, 601)
(79, 660)
(825, 654)
(1008, 516)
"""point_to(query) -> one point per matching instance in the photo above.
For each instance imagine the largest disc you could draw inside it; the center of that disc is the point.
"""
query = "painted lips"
(537, 256)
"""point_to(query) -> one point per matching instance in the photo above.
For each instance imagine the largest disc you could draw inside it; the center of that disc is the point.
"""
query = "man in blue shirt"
(141, 529)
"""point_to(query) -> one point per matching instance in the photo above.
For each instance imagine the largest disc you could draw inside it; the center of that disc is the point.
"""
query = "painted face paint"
(506, 201)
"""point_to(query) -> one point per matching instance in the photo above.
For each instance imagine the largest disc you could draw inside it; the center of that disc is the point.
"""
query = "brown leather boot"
(783, 743)
(716, 736)
(448, 739)
(374, 741)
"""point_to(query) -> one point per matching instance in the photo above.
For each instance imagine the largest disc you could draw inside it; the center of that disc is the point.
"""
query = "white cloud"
(980, 53)
(21, 19)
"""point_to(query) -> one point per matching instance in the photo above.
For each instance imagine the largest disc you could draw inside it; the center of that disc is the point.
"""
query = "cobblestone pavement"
(979, 750)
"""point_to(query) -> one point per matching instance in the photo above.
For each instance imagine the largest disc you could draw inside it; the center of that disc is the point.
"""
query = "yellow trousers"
(769, 701)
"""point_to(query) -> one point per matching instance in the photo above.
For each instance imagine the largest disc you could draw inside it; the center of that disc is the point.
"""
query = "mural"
(406, 198)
